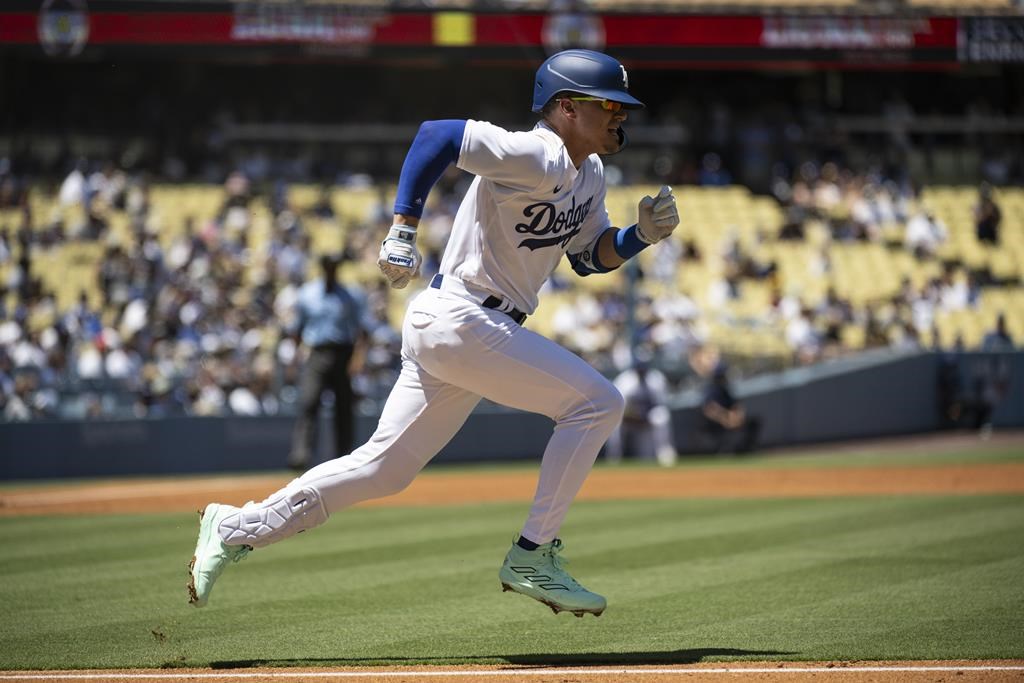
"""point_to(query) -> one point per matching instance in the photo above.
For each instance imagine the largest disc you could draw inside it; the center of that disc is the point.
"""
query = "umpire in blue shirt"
(724, 419)
(330, 325)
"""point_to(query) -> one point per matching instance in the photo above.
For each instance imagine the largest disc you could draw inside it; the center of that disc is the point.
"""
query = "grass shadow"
(686, 656)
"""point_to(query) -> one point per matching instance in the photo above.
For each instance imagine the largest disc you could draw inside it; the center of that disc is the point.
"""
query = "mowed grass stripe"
(760, 553)
(691, 535)
(352, 535)
(978, 619)
(783, 571)
(686, 580)
(345, 543)
(367, 568)
(642, 634)
(833, 591)
(300, 559)
(449, 574)
(616, 637)
(856, 595)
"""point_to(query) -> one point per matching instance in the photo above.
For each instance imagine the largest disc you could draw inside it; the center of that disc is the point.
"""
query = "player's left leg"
(421, 415)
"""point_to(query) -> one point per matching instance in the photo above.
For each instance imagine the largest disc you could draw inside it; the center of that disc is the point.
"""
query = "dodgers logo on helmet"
(585, 72)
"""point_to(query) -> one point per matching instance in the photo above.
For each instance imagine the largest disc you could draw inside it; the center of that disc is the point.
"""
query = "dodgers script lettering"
(545, 220)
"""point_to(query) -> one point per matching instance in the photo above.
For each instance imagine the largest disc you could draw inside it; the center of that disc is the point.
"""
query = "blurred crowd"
(205, 325)
(844, 207)
(824, 205)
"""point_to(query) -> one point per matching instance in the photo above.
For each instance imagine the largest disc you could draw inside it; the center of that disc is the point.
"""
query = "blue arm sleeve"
(436, 145)
(627, 244)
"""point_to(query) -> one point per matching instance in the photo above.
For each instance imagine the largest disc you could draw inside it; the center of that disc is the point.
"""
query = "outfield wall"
(873, 394)
(869, 395)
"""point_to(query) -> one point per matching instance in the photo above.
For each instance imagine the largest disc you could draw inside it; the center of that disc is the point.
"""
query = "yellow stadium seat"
(710, 217)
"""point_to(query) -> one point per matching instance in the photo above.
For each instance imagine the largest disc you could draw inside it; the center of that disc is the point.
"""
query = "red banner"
(623, 31)
(163, 28)
(637, 39)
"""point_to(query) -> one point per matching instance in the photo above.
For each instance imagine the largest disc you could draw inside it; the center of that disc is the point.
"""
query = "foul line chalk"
(520, 673)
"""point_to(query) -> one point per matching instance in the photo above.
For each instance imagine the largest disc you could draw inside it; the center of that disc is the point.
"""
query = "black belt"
(490, 302)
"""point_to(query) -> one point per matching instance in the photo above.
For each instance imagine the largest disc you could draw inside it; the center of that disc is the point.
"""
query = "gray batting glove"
(658, 216)
(399, 260)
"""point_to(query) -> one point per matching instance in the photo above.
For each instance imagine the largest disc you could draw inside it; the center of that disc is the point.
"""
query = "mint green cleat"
(211, 555)
(538, 574)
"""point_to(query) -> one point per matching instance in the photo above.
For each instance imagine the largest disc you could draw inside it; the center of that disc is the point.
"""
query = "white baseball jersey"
(526, 208)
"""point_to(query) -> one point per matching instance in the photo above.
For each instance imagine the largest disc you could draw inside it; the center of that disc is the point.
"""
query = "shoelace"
(559, 562)
(553, 553)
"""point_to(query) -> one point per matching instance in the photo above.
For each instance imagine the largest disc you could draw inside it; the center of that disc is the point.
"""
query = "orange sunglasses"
(607, 105)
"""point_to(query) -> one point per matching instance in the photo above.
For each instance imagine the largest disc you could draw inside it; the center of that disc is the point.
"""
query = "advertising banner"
(653, 39)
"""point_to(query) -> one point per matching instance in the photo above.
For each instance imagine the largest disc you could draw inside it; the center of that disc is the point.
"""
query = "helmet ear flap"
(623, 139)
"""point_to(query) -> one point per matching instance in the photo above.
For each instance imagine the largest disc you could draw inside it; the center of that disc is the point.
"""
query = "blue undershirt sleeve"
(435, 146)
(627, 244)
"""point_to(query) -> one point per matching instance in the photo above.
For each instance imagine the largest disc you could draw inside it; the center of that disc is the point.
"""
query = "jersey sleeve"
(517, 160)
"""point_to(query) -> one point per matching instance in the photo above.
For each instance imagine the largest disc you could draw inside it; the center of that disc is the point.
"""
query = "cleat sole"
(556, 608)
(193, 597)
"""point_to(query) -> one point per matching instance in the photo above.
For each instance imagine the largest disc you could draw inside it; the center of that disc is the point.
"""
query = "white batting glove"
(399, 260)
(658, 216)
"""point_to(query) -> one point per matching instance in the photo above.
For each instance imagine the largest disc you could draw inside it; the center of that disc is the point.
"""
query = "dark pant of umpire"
(742, 439)
(327, 368)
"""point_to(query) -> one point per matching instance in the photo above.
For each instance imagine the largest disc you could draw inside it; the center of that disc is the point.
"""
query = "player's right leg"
(421, 415)
(212, 555)
(485, 352)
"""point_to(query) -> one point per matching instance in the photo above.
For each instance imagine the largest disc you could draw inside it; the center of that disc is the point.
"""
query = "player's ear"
(567, 107)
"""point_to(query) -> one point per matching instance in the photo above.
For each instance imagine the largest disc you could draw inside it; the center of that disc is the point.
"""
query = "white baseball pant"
(454, 352)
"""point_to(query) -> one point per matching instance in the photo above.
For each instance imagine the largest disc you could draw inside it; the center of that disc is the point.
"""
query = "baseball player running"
(537, 196)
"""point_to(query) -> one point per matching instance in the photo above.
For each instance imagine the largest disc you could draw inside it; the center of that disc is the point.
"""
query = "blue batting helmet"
(585, 72)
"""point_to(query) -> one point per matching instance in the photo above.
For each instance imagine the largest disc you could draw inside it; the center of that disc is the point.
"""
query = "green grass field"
(914, 577)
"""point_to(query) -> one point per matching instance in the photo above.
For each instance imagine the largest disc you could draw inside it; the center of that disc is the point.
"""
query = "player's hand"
(658, 216)
(399, 260)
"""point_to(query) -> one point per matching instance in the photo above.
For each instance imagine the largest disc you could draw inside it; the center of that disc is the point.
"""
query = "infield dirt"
(442, 488)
